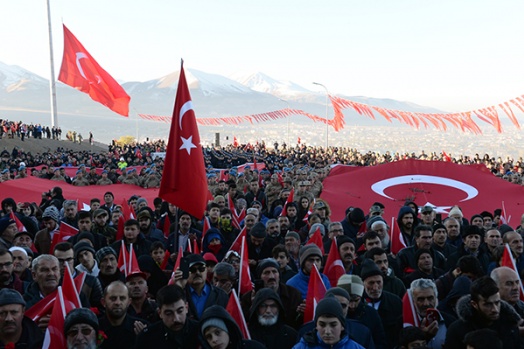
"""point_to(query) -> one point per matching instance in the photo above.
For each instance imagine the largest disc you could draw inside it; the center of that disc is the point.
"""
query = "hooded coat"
(277, 336)
(469, 320)
(235, 336)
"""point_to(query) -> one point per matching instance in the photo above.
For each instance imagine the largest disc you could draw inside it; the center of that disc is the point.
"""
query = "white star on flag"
(187, 144)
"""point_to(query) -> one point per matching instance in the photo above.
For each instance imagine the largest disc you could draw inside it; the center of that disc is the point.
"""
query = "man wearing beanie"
(472, 239)
(43, 237)
(81, 328)
(330, 330)
(359, 311)
(440, 239)
(354, 219)
(8, 230)
(309, 255)
(14, 326)
(108, 264)
(268, 274)
(85, 257)
(423, 238)
(388, 305)
(258, 246)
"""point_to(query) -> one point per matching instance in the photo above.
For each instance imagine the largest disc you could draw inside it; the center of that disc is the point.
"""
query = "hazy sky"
(455, 55)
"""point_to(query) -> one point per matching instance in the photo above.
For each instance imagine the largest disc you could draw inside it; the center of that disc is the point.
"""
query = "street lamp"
(280, 99)
(327, 121)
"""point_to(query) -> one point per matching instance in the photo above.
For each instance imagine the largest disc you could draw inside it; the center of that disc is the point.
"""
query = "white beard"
(265, 321)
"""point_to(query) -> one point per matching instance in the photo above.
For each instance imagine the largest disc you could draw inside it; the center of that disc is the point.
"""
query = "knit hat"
(210, 258)
(504, 228)
(86, 235)
(51, 212)
(17, 248)
(308, 251)
(438, 226)
(293, 234)
(342, 239)
(104, 251)
(4, 223)
(215, 322)
(80, 316)
(330, 307)
(357, 215)
(369, 268)
(374, 219)
(455, 211)
(476, 216)
(316, 226)
(266, 263)
(472, 230)
(338, 291)
(10, 296)
(258, 231)
(420, 252)
(83, 246)
(141, 200)
(352, 284)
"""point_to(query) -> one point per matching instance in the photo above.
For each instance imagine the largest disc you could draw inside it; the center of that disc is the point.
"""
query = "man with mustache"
(120, 327)
(14, 326)
(176, 330)
(508, 283)
(46, 278)
(268, 273)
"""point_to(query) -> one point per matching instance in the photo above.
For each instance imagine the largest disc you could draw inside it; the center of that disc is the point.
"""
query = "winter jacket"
(235, 336)
(158, 336)
(216, 297)
(301, 281)
(369, 317)
(506, 326)
(390, 311)
(312, 340)
(277, 336)
(357, 331)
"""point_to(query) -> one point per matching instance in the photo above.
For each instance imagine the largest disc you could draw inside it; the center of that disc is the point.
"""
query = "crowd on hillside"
(452, 276)
(23, 131)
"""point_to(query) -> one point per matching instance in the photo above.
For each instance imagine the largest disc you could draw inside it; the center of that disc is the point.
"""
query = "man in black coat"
(266, 321)
(175, 330)
(484, 309)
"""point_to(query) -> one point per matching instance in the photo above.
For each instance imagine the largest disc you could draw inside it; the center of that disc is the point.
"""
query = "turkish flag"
(409, 313)
(167, 224)
(316, 239)
(63, 234)
(316, 290)
(508, 261)
(54, 335)
(123, 259)
(334, 267)
(184, 182)
(396, 238)
(237, 243)
(235, 141)
(290, 199)
(244, 279)
(81, 71)
(436, 183)
(177, 265)
(234, 309)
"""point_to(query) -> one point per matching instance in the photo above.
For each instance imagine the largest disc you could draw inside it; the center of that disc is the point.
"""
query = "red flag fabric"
(290, 199)
(42, 308)
(205, 227)
(508, 261)
(69, 290)
(196, 249)
(237, 243)
(437, 183)
(165, 261)
(316, 290)
(177, 265)
(234, 309)
(54, 335)
(19, 226)
(244, 279)
(235, 141)
(123, 259)
(334, 267)
(167, 224)
(316, 239)
(120, 228)
(397, 240)
(65, 231)
(127, 211)
(409, 313)
(81, 71)
(184, 173)
(133, 267)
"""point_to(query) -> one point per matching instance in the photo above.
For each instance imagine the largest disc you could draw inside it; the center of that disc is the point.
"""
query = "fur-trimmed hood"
(466, 312)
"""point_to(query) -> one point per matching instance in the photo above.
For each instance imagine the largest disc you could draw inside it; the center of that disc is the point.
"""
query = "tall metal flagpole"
(52, 86)
(327, 120)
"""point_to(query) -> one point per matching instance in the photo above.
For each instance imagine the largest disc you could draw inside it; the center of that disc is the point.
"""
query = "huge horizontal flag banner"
(438, 184)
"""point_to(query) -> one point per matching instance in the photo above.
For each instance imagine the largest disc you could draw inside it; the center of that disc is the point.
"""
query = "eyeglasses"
(201, 269)
(6, 265)
(86, 331)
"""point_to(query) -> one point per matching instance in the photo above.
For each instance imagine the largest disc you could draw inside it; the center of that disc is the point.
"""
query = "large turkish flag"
(439, 184)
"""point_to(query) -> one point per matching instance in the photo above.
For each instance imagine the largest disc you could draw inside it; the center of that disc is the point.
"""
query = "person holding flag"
(309, 255)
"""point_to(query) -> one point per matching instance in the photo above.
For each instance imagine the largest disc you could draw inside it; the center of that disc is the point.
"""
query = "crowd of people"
(453, 272)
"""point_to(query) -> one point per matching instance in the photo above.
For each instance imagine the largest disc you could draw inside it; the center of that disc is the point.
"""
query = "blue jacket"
(301, 281)
(312, 340)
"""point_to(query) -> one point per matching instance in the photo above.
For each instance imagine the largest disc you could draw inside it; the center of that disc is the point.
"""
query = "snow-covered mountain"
(13, 77)
(262, 83)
